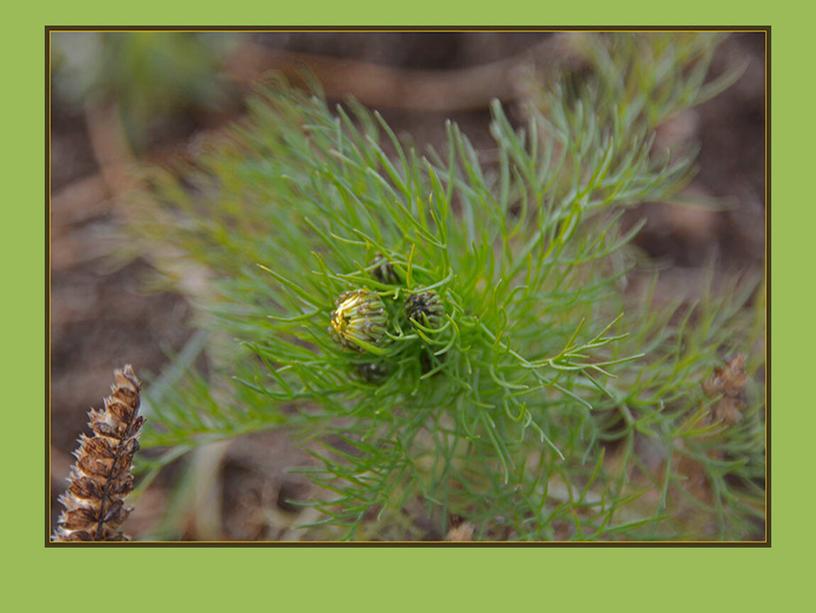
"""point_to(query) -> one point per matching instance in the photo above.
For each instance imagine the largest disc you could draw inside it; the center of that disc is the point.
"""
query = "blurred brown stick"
(382, 86)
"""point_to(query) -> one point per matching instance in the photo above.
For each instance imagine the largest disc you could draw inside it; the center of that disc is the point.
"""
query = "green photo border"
(349, 579)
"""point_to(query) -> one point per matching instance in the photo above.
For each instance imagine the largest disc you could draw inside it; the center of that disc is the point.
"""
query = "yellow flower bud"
(359, 321)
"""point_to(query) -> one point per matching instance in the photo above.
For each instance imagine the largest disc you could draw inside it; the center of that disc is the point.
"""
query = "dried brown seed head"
(728, 383)
(101, 477)
(728, 410)
(462, 532)
(729, 379)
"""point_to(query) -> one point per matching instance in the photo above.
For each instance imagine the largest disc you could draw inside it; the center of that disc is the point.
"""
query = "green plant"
(450, 337)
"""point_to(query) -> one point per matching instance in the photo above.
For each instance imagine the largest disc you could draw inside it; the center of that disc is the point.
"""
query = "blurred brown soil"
(102, 316)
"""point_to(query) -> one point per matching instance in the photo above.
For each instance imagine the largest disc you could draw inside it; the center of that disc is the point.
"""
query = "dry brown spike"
(728, 383)
(461, 533)
(93, 504)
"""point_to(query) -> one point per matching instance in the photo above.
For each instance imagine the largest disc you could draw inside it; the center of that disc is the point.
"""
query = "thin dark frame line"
(768, 234)
(47, 389)
(766, 30)
(295, 28)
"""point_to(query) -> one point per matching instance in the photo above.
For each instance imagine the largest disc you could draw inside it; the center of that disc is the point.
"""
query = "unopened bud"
(425, 308)
(384, 271)
(358, 319)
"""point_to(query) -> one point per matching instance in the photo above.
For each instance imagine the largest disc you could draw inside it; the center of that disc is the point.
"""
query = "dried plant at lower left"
(101, 477)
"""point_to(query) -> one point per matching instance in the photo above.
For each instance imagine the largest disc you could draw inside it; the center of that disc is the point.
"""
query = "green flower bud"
(384, 271)
(358, 320)
(425, 308)
(372, 372)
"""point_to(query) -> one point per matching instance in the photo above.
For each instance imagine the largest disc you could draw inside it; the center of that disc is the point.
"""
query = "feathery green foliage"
(515, 384)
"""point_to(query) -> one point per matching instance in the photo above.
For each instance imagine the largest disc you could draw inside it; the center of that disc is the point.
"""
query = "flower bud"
(425, 308)
(384, 271)
(372, 372)
(358, 319)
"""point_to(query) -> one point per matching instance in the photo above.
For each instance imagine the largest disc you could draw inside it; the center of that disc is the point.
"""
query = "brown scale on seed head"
(101, 476)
